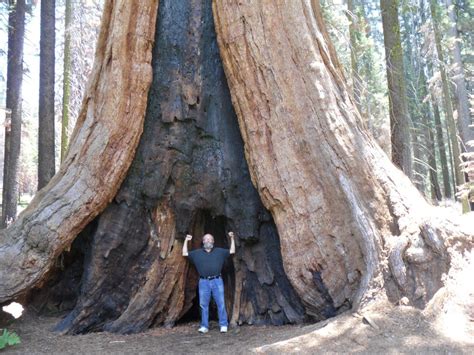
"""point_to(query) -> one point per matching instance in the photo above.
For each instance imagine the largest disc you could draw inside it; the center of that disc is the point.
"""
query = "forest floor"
(385, 330)
(445, 326)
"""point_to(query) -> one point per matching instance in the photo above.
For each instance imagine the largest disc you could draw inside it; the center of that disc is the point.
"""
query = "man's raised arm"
(232, 243)
(185, 245)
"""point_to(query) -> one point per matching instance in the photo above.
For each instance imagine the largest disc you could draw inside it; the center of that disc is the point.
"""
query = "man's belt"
(210, 277)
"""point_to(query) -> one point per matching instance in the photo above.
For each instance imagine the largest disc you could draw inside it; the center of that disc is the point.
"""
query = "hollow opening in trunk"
(204, 222)
(61, 290)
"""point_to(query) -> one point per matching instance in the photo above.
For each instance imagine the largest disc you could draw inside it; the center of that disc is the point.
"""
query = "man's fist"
(231, 234)
(188, 237)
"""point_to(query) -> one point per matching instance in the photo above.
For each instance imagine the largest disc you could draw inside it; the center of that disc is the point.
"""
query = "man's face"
(208, 241)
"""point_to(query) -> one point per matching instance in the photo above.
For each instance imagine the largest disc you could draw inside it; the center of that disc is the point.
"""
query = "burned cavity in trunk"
(189, 175)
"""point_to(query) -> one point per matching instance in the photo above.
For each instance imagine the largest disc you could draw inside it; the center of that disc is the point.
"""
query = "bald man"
(209, 262)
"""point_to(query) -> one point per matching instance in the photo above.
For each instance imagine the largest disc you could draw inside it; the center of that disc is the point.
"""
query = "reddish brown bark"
(351, 223)
(102, 148)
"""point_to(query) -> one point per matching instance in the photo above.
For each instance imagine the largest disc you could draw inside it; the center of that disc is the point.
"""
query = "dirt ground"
(389, 330)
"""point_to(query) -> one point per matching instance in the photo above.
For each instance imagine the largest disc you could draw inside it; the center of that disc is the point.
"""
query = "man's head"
(208, 241)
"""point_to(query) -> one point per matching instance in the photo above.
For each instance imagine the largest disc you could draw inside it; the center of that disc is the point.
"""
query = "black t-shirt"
(209, 264)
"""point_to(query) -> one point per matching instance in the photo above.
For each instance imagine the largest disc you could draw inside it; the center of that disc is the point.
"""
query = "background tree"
(460, 90)
(354, 32)
(451, 124)
(66, 79)
(369, 51)
(81, 23)
(412, 67)
(46, 117)
(400, 121)
(16, 34)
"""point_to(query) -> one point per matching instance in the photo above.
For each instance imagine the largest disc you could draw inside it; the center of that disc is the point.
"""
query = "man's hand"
(232, 243)
(188, 237)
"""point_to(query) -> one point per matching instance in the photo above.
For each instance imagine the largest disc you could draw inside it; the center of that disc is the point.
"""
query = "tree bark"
(400, 122)
(16, 36)
(102, 147)
(350, 223)
(46, 147)
(189, 176)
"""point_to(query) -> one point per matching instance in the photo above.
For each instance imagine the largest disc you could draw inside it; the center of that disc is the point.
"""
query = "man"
(209, 262)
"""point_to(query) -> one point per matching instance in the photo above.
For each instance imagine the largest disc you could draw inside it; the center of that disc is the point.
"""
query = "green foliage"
(8, 338)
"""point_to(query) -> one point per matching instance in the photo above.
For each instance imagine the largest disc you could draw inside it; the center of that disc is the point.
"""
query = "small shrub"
(8, 338)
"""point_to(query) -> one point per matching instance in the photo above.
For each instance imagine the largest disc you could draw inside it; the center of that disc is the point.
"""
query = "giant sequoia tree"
(324, 219)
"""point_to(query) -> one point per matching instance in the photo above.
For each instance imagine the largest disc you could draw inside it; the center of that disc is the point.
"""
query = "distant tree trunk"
(442, 150)
(439, 139)
(400, 122)
(16, 35)
(430, 141)
(46, 147)
(426, 113)
(66, 80)
(460, 90)
(412, 69)
(452, 130)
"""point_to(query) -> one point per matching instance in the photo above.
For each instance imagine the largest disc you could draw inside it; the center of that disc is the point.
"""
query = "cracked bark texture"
(351, 224)
(102, 147)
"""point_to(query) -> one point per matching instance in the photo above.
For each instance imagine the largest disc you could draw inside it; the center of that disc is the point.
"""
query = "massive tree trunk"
(400, 121)
(189, 175)
(101, 150)
(349, 223)
(46, 149)
(16, 36)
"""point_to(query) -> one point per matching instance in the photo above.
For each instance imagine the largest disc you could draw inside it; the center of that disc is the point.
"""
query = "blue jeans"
(214, 287)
